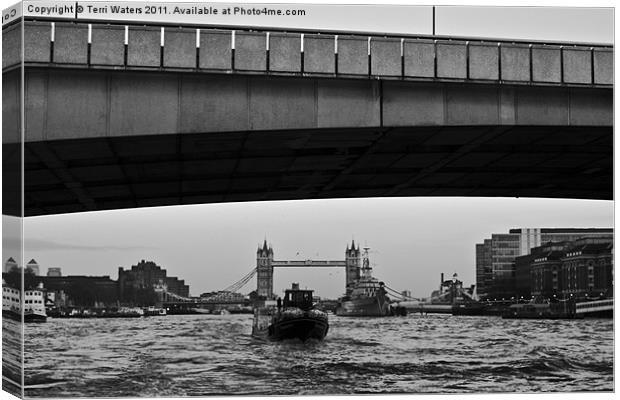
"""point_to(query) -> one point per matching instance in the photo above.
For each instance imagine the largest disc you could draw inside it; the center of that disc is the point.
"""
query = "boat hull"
(364, 307)
(282, 326)
(302, 328)
(34, 317)
(10, 314)
(468, 309)
(28, 317)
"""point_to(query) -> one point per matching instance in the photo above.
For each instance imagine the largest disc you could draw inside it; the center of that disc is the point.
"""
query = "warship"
(368, 297)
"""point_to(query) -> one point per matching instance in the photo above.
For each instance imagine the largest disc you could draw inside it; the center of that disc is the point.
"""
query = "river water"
(196, 355)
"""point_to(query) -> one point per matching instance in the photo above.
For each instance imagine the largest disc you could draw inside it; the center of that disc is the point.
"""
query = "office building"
(9, 265)
(495, 257)
(484, 276)
(33, 266)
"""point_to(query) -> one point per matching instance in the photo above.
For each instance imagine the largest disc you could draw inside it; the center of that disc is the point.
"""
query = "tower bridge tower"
(352, 260)
(264, 272)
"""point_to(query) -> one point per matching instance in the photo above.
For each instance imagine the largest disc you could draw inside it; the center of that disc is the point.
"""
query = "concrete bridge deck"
(113, 123)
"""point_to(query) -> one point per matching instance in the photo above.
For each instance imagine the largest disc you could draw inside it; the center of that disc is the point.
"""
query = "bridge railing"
(146, 47)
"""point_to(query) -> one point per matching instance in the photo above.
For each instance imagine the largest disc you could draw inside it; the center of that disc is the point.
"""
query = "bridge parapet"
(99, 45)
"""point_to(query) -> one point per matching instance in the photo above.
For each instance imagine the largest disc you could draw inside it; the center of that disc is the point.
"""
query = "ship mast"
(366, 269)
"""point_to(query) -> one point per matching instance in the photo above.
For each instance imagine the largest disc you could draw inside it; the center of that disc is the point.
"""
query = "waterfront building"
(57, 299)
(523, 275)
(495, 260)
(484, 275)
(534, 273)
(546, 273)
(137, 284)
(587, 268)
(9, 265)
(177, 286)
(81, 290)
(54, 271)
(504, 249)
(581, 268)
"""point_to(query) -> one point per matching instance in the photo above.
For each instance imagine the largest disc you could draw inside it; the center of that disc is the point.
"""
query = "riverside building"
(81, 290)
(145, 276)
(581, 269)
(495, 257)
(587, 268)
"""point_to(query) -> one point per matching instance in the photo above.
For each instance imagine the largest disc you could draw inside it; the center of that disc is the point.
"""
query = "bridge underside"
(78, 175)
(102, 140)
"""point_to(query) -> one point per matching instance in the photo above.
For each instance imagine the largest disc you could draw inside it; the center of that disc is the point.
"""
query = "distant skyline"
(412, 240)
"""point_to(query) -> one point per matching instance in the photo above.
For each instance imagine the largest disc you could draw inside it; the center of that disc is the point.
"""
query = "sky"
(412, 240)
(586, 25)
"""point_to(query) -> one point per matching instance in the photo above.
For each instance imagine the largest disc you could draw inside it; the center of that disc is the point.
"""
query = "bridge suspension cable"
(401, 296)
(223, 294)
(241, 282)
(177, 297)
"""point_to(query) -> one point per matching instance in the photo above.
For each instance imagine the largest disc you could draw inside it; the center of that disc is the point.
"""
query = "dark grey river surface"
(197, 355)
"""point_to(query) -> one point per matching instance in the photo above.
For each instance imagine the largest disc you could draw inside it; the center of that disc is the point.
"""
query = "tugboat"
(368, 297)
(294, 318)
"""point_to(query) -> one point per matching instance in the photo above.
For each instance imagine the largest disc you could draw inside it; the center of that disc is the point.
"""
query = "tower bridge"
(265, 264)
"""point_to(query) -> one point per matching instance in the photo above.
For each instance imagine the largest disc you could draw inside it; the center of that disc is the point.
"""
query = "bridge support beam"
(77, 104)
(104, 139)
